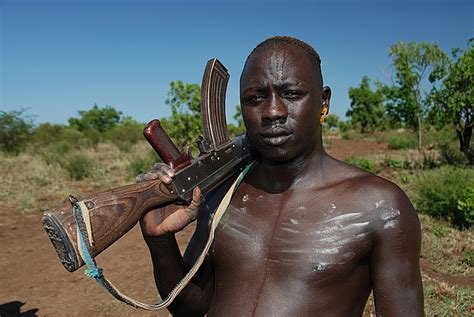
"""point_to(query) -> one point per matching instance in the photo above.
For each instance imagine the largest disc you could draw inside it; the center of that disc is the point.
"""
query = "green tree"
(47, 133)
(184, 124)
(412, 62)
(367, 106)
(15, 130)
(453, 101)
(125, 134)
(100, 119)
(240, 127)
(332, 121)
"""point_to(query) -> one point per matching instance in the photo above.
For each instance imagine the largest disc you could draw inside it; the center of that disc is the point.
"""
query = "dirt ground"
(34, 283)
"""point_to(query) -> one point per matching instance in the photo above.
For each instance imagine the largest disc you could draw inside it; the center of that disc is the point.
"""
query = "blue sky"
(58, 57)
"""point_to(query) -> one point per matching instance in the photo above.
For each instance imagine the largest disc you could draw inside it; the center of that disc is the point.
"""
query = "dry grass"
(449, 250)
(30, 184)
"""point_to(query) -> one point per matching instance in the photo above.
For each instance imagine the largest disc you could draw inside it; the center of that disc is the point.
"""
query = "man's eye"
(255, 98)
(291, 94)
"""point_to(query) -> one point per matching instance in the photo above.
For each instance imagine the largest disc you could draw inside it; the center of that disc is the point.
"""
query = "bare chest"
(303, 238)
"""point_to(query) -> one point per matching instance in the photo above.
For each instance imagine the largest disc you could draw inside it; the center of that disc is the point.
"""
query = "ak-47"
(114, 212)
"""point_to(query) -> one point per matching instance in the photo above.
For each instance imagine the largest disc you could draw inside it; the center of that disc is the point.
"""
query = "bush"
(439, 192)
(398, 142)
(73, 137)
(362, 162)
(142, 164)
(450, 154)
(15, 130)
(55, 154)
(352, 135)
(47, 133)
(79, 166)
(125, 135)
(393, 163)
(466, 204)
(93, 136)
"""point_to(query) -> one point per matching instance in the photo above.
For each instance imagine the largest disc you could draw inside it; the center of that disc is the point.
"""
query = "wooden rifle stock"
(113, 213)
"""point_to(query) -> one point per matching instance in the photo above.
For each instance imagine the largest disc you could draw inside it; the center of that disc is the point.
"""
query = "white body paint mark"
(379, 203)
(327, 251)
(348, 216)
(245, 198)
(320, 267)
(390, 224)
(387, 214)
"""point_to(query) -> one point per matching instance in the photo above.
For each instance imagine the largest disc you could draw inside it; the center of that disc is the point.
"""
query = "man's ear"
(326, 98)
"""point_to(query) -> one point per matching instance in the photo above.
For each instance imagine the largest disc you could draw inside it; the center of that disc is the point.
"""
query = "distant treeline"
(403, 103)
(18, 131)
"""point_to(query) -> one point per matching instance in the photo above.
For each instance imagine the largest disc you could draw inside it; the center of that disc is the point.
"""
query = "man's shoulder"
(367, 189)
(361, 179)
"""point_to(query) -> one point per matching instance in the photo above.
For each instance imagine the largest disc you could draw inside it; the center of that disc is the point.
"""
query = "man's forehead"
(271, 53)
(281, 62)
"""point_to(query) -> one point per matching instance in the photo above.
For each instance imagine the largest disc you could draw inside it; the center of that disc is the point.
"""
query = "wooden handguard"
(113, 213)
(164, 147)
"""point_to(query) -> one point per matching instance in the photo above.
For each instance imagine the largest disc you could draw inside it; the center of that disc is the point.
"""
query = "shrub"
(430, 160)
(439, 192)
(362, 162)
(450, 154)
(125, 135)
(47, 133)
(55, 154)
(398, 142)
(79, 166)
(466, 204)
(15, 130)
(73, 137)
(93, 136)
(393, 163)
(142, 164)
(352, 135)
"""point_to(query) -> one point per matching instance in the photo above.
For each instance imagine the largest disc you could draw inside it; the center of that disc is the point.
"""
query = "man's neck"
(278, 177)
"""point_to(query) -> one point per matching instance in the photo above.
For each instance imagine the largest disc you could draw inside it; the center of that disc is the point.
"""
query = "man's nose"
(274, 110)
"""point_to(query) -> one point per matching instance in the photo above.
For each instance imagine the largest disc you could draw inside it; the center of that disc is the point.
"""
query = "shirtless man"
(305, 234)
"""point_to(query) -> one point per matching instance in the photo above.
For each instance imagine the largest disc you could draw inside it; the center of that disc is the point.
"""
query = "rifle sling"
(84, 237)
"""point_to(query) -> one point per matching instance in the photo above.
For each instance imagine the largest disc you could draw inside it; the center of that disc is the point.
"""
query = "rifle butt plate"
(61, 242)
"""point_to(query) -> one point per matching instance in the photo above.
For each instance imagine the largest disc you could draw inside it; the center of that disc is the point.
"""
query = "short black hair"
(280, 41)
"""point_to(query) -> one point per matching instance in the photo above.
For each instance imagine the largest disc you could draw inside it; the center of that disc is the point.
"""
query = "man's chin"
(277, 156)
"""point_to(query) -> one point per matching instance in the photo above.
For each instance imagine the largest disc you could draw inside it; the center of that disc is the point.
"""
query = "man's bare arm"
(394, 265)
(169, 267)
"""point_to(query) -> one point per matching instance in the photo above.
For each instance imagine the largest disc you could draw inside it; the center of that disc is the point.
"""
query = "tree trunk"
(419, 131)
(465, 143)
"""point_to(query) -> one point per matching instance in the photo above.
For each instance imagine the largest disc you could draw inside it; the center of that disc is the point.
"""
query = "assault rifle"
(114, 212)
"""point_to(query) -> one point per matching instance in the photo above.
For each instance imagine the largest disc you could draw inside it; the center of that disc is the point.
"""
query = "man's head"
(282, 98)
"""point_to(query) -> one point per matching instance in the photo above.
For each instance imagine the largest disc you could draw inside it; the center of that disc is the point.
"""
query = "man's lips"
(276, 137)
